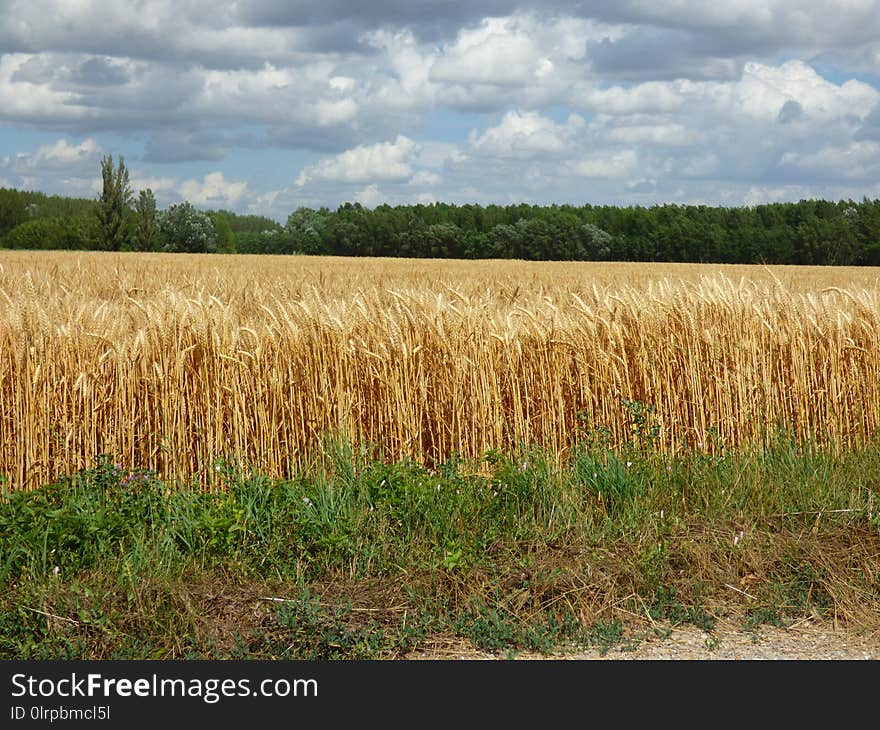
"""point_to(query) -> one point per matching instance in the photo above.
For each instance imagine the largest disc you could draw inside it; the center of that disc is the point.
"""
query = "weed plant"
(353, 557)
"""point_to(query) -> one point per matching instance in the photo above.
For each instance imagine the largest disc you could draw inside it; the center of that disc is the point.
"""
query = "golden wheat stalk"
(169, 362)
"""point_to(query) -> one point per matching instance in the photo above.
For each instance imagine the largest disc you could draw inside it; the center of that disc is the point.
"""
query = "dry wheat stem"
(168, 362)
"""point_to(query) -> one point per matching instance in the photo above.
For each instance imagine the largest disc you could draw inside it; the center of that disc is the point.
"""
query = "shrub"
(186, 229)
(52, 233)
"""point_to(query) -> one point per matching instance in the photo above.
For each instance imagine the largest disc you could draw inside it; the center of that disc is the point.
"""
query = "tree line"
(117, 220)
(816, 232)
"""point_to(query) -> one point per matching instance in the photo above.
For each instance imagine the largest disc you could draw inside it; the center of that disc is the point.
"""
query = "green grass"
(356, 558)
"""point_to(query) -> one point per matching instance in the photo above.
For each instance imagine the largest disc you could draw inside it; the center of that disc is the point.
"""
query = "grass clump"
(355, 557)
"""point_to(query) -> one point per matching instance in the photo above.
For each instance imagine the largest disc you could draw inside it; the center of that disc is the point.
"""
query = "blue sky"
(261, 106)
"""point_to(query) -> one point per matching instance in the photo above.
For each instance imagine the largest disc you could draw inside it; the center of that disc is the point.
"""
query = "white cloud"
(213, 190)
(23, 100)
(701, 164)
(342, 84)
(60, 166)
(271, 43)
(526, 134)
(550, 96)
(267, 199)
(501, 51)
(854, 160)
(425, 178)
(410, 66)
(365, 163)
(59, 155)
(606, 165)
(438, 154)
(63, 153)
(760, 93)
(370, 196)
(758, 194)
(817, 23)
(764, 89)
(277, 95)
(156, 184)
(647, 97)
(672, 134)
(335, 111)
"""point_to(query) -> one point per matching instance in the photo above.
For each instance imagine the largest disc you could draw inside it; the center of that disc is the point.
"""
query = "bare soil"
(819, 641)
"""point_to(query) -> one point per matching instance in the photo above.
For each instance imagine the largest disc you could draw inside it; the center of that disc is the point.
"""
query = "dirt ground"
(728, 642)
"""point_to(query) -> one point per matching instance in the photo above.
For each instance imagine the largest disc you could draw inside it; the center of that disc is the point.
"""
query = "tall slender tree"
(146, 234)
(114, 204)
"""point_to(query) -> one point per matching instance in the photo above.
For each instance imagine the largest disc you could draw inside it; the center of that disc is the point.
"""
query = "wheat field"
(170, 362)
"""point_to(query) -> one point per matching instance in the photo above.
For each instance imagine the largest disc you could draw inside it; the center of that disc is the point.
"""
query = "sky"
(263, 106)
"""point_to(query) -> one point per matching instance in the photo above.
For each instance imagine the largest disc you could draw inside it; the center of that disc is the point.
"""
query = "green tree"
(114, 205)
(52, 233)
(186, 229)
(305, 226)
(596, 242)
(438, 240)
(505, 241)
(223, 229)
(146, 236)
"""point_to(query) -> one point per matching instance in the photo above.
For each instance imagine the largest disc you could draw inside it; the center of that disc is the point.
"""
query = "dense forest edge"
(809, 232)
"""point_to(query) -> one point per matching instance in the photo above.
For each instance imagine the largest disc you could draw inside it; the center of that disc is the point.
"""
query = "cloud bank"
(263, 105)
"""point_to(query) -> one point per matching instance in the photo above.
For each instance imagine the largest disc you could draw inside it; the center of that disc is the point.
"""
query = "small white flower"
(56, 571)
(629, 464)
(306, 501)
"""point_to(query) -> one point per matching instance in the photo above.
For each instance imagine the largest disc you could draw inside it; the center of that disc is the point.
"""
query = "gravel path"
(732, 644)
(725, 642)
